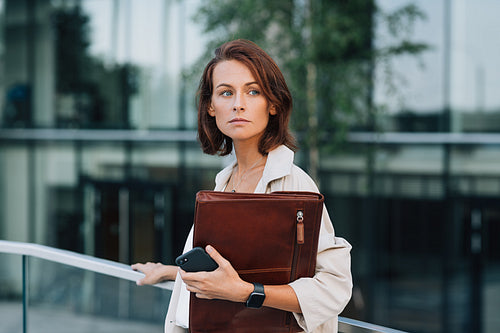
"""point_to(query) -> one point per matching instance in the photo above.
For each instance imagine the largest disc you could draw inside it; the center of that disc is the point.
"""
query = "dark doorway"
(132, 221)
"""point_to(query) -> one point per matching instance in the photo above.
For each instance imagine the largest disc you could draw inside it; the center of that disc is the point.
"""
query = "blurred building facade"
(98, 153)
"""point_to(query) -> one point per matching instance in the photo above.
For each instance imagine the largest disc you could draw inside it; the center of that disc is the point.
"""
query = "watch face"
(256, 299)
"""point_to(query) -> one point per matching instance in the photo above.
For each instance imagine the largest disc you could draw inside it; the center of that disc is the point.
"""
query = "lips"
(238, 120)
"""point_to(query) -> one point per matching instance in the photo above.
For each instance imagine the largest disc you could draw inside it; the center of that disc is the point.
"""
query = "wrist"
(246, 290)
(169, 273)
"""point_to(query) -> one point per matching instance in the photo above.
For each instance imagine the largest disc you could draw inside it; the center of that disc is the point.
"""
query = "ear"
(272, 110)
(211, 111)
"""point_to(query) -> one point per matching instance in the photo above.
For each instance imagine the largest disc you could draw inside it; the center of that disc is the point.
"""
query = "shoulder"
(299, 180)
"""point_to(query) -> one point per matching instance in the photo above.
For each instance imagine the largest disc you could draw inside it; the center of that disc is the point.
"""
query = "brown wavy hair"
(274, 88)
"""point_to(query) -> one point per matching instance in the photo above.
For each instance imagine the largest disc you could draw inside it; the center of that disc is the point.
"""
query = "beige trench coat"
(321, 297)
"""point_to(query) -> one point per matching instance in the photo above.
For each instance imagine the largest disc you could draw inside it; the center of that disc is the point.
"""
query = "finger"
(188, 278)
(193, 278)
(200, 295)
(182, 273)
(219, 259)
(138, 268)
(147, 279)
(194, 289)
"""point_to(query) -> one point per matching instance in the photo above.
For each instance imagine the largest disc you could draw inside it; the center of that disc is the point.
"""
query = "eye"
(254, 92)
(226, 93)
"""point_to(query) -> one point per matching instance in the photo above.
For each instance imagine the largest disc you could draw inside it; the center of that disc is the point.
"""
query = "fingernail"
(209, 248)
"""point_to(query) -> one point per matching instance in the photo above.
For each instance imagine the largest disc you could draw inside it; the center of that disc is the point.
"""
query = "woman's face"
(240, 108)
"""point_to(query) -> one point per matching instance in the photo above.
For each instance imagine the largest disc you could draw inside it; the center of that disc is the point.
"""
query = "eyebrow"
(230, 86)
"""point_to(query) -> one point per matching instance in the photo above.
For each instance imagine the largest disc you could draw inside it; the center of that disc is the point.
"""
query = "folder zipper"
(300, 240)
(300, 227)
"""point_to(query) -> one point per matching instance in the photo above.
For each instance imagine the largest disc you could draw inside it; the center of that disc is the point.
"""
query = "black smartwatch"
(257, 296)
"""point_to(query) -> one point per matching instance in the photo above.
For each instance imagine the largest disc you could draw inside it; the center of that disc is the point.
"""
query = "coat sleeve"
(322, 297)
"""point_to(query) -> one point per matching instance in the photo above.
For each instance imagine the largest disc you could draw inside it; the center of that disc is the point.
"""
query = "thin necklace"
(243, 176)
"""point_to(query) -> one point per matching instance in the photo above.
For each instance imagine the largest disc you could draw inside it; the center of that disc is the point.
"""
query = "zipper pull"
(300, 227)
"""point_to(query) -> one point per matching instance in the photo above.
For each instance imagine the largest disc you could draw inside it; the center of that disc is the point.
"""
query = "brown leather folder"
(268, 238)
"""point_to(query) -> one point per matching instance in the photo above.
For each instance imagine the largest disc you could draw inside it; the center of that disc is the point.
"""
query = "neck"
(246, 157)
(249, 168)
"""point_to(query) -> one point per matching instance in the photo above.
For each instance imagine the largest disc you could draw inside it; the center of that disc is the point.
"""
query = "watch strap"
(258, 287)
(257, 296)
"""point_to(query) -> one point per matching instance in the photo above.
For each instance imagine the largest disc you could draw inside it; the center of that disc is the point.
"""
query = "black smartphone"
(196, 260)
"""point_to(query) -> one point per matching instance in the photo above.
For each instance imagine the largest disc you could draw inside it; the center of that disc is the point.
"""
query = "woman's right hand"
(155, 272)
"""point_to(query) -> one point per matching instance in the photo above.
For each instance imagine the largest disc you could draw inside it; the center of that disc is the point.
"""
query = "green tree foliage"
(325, 49)
(72, 43)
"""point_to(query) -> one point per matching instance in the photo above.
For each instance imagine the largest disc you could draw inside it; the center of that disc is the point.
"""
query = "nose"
(239, 103)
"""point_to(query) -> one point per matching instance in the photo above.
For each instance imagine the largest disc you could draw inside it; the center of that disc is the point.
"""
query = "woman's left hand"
(223, 283)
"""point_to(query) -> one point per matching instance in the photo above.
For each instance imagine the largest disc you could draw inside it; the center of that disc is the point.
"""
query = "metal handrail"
(346, 323)
(86, 262)
(122, 271)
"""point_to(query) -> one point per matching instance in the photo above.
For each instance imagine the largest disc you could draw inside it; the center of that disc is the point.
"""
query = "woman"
(245, 105)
